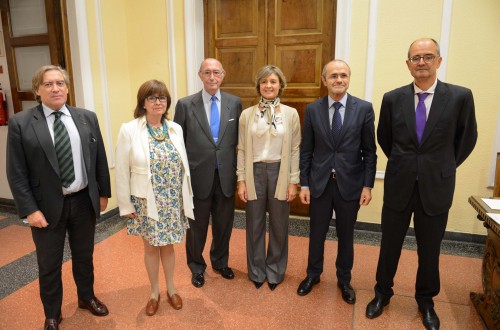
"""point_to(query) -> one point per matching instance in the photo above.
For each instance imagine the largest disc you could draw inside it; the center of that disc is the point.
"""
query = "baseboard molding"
(7, 202)
(108, 214)
(448, 235)
(365, 226)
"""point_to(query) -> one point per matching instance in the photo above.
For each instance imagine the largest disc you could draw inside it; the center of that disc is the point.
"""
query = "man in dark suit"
(209, 120)
(426, 130)
(59, 190)
(337, 171)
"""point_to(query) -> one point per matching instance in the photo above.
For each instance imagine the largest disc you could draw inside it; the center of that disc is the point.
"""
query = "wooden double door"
(35, 33)
(295, 35)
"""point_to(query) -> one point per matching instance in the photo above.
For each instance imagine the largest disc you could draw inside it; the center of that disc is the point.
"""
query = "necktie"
(214, 119)
(336, 120)
(62, 145)
(421, 116)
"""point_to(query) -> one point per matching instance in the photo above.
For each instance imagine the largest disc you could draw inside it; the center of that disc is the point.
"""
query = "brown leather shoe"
(175, 301)
(95, 306)
(52, 324)
(152, 306)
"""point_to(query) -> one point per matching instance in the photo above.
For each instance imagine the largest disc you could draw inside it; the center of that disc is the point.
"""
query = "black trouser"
(320, 211)
(222, 210)
(429, 232)
(78, 219)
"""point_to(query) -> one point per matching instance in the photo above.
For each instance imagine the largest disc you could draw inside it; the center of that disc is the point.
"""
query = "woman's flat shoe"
(152, 306)
(272, 286)
(257, 284)
(175, 301)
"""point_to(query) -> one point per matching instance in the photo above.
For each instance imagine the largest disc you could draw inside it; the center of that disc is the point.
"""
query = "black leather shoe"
(95, 306)
(430, 318)
(272, 286)
(306, 285)
(225, 272)
(348, 293)
(198, 279)
(376, 307)
(257, 284)
(52, 324)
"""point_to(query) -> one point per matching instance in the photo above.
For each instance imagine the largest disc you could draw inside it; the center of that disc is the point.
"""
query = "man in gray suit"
(59, 178)
(337, 171)
(209, 120)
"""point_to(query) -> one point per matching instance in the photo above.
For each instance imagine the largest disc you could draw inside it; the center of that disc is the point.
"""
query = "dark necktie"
(421, 115)
(62, 145)
(214, 119)
(336, 120)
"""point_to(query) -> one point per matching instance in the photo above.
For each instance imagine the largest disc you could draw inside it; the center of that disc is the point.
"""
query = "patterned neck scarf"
(268, 112)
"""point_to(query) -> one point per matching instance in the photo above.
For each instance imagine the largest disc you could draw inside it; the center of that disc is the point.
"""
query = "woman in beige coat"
(268, 174)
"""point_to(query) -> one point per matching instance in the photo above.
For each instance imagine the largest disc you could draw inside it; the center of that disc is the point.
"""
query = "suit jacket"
(200, 146)
(353, 156)
(33, 169)
(133, 173)
(449, 137)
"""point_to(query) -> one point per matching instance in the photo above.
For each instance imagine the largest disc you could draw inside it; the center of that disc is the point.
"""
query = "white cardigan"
(133, 175)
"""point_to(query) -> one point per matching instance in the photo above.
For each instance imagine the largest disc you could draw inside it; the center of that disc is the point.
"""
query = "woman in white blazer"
(153, 185)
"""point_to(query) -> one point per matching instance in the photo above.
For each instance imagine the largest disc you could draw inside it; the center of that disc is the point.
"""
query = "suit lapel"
(325, 120)
(438, 105)
(84, 130)
(407, 105)
(349, 112)
(44, 138)
(201, 116)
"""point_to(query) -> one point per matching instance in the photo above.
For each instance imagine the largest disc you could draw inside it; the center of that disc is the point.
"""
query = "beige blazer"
(289, 169)
(133, 175)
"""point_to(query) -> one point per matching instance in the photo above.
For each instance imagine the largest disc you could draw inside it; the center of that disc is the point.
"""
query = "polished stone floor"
(121, 282)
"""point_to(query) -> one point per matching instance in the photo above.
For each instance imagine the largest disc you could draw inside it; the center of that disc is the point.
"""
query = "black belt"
(76, 193)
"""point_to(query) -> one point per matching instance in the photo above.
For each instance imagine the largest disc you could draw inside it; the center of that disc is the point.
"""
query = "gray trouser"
(273, 266)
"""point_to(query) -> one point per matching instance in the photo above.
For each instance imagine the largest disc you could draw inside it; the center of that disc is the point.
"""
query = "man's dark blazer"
(449, 137)
(33, 169)
(353, 156)
(201, 149)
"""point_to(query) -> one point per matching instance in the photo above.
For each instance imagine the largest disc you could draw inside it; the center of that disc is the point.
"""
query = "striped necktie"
(62, 145)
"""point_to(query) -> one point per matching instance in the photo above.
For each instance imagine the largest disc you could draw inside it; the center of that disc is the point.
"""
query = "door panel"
(34, 36)
(235, 35)
(295, 35)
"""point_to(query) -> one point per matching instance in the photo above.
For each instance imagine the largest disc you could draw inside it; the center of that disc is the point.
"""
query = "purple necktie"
(421, 115)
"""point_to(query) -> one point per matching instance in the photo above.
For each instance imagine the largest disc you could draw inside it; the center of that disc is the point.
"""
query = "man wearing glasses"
(426, 129)
(58, 174)
(209, 120)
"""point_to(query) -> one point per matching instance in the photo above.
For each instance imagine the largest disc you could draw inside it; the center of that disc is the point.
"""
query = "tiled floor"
(121, 282)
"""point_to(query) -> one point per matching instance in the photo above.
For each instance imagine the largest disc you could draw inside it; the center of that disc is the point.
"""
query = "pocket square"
(231, 119)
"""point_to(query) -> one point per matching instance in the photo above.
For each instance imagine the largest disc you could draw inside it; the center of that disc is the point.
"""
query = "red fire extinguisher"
(4, 115)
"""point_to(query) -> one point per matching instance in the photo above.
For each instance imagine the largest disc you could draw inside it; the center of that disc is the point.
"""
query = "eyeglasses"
(48, 85)
(335, 76)
(428, 58)
(216, 73)
(152, 99)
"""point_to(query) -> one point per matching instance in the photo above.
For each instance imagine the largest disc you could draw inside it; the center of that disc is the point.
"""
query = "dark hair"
(40, 73)
(151, 87)
(265, 72)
